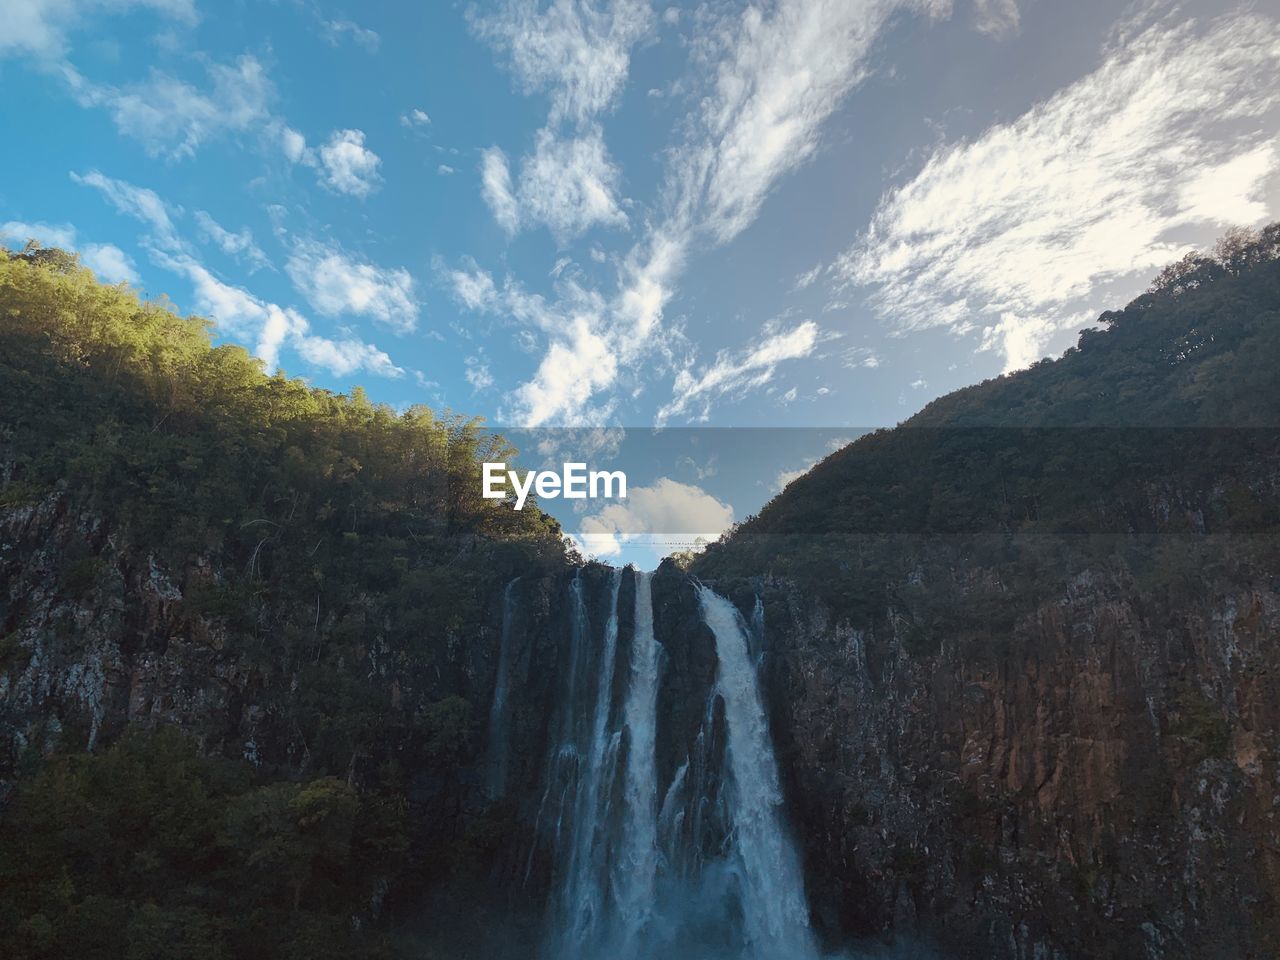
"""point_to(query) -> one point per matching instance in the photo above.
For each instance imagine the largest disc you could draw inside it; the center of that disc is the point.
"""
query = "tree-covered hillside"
(188, 543)
(1162, 420)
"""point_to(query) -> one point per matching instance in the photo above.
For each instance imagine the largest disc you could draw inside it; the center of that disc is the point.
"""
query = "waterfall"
(773, 903)
(584, 888)
(499, 738)
(697, 868)
(637, 868)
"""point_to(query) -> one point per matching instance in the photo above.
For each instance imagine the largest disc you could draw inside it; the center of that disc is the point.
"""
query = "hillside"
(299, 581)
(1178, 389)
(275, 682)
(1022, 649)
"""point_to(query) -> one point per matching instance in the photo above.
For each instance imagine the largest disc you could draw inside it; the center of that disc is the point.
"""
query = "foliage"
(151, 850)
(335, 554)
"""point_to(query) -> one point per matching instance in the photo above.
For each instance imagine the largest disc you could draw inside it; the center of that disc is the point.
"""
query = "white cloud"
(272, 327)
(348, 165)
(578, 364)
(62, 235)
(1229, 193)
(137, 202)
(108, 262)
(445, 170)
(478, 374)
(734, 375)
(495, 187)
(41, 27)
(269, 326)
(336, 283)
(777, 72)
(1097, 185)
(345, 357)
(575, 51)
(335, 31)
(239, 245)
(568, 184)
(668, 514)
(856, 357)
(173, 118)
(784, 477)
(414, 118)
(996, 18)
(784, 73)
(472, 287)
(294, 146)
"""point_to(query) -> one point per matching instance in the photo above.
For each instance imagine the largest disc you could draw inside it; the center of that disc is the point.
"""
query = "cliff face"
(98, 634)
(1042, 724)
(1099, 781)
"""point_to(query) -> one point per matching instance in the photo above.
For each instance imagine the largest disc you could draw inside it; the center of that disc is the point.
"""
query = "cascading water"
(635, 873)
(698, 868)
(775, 914)
(583, 892)
(499, 726)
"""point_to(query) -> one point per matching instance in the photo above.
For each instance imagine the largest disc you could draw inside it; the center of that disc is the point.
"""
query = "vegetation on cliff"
(323, 561)
(1158, 422)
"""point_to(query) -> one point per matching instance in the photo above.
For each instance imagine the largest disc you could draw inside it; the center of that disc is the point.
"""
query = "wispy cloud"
(1100, 183)
(693, 393)
(271, 327)
(579, 363)
(495, 187)
(335, 31)
(239, 245)
(575, 51)
(785, 69)
(41, 27)
(415, 118)
(337, 283)
(997, 18)
(777, 72)
(139, 203)
(470, 286)
(567, 184)
(172, 117)
(108, 262)
(478, 373)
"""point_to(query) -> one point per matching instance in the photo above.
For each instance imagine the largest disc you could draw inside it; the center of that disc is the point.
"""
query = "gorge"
(999, 683)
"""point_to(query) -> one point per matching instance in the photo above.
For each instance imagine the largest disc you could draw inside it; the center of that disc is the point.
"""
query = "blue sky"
(794, 213)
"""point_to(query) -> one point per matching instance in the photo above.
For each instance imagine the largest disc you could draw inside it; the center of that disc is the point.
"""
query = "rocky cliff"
(1098, 780)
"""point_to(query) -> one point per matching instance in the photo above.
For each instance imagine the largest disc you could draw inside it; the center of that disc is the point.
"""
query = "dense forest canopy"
(118, 395)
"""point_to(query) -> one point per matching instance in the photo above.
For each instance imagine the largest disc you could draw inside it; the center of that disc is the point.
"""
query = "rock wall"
(1100, 781)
